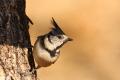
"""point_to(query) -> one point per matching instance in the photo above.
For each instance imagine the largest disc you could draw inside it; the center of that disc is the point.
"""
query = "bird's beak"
(70, 39)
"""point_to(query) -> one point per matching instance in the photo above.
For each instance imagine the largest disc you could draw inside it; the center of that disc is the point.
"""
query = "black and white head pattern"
(56, 38)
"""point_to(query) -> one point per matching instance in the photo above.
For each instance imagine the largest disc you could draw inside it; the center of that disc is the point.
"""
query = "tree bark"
(16, 59)
(14, 63)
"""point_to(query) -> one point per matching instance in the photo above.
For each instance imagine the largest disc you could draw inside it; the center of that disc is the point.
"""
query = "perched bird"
(46, 48)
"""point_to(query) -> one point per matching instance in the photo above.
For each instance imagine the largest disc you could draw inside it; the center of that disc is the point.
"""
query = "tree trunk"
(16, 60)
(14, 63)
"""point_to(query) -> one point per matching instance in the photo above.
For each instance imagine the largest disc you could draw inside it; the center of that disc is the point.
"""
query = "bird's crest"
(56, 30)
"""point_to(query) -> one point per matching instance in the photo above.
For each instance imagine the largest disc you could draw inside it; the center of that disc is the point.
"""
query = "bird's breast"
(42, 57)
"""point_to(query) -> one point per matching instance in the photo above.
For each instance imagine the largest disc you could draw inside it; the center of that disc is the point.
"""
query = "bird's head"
(56, 36)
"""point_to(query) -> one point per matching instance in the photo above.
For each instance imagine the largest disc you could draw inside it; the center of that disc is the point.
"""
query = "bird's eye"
(60, 37)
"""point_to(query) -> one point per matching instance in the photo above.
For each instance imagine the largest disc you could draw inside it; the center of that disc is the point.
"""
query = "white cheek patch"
(55, 42)
(49, 45)
(58, 43)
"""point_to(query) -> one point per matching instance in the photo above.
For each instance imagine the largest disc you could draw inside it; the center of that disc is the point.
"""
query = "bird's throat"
(46, 46)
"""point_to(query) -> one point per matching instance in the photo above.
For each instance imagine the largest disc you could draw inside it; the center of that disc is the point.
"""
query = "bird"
(46, 49)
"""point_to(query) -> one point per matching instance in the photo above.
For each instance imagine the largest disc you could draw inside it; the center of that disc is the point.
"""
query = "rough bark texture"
(16, 60)
(14, 63)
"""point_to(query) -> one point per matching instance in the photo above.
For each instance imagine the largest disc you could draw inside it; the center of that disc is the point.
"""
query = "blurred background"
(95, 27)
